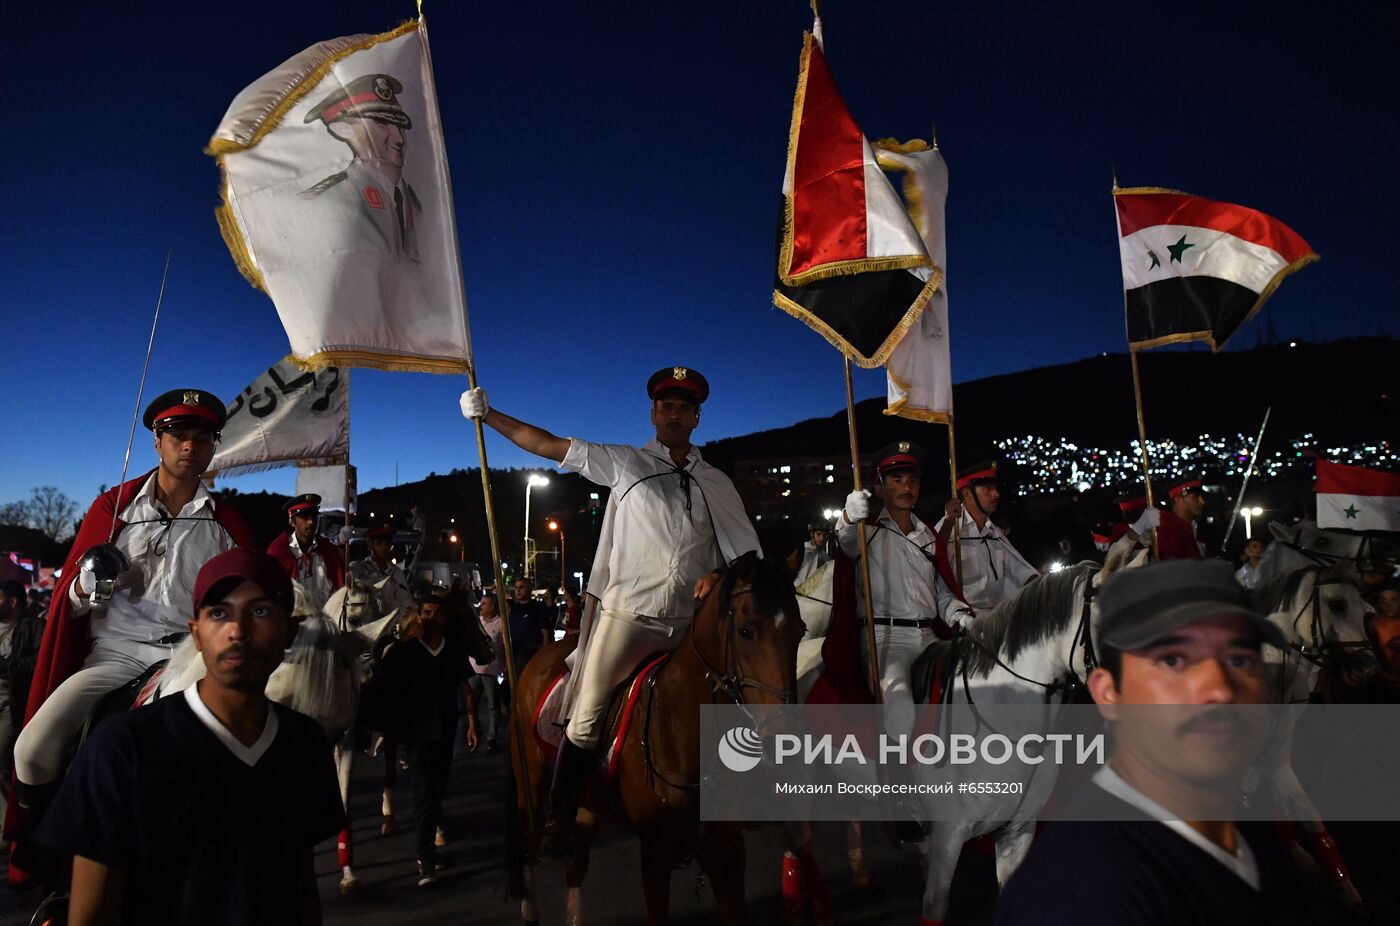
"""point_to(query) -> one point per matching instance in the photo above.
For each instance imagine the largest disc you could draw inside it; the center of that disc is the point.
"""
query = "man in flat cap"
(377, 206)
(206, 806)
(992, 569)
(379, 569)
(1154, 837)
(167, 527)
(906, 589)
(311, 561)
(672, 521)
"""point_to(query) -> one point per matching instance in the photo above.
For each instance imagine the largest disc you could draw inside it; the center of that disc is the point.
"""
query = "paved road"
(472, 887)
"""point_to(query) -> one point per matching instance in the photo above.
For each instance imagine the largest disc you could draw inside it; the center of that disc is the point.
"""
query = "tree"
(14, 514)
(51, 512)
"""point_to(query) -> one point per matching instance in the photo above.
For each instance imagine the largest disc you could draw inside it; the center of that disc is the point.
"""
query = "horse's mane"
(1035, 613)
(1273, 594)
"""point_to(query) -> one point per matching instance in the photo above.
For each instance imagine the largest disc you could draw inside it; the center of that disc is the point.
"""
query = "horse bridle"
(731, 682)
(1316, 654)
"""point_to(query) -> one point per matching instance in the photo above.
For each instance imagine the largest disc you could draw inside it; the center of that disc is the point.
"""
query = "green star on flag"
(1179, 248)
(1351, 512)
(1156, 261)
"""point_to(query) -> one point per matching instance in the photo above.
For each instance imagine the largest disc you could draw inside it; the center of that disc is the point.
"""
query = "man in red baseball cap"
(206, 806)
(102, 632)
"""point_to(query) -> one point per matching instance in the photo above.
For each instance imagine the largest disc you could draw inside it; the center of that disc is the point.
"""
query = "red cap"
(967, 479)
(1185, 486)
(379, 533)
(249, 565)
(1133, 503)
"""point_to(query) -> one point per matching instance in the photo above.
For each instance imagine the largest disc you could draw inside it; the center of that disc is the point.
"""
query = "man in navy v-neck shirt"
(206, 806)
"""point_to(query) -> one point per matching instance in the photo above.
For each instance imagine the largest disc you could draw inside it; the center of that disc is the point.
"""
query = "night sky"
(617, 169)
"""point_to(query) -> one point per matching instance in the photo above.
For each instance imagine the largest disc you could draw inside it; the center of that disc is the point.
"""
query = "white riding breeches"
(897, 649)
(618, 641)
(46, 740)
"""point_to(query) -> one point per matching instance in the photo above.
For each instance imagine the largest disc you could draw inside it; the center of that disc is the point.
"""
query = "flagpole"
(1142, 442)
(345, 482)
(864, 543)
(517, 742)
(953, 482)
(1253, 458)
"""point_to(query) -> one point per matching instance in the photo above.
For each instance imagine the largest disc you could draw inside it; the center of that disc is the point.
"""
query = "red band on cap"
(303, 506)
(330, 112)
(970, 478)
(186, 411)
(896, 461)
(1132, 504)
(1184, 487)
(685, 385)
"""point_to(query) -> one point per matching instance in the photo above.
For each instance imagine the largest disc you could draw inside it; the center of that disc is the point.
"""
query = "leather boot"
(32, 802)
(572, 769)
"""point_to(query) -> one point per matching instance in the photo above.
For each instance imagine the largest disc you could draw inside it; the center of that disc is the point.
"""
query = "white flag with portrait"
(919, 372)
(287, 415)
(337, 203)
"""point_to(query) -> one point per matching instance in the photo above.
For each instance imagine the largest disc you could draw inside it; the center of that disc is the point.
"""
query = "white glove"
(344, 537)
(87, 582)
(857, 506)
(473, 403)
(1146, 522)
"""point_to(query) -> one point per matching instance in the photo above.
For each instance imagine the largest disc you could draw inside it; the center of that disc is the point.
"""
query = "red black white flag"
(1195, 269)
(851, 264)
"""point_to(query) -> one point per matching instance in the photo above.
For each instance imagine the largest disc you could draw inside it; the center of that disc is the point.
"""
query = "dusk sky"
(617, 170)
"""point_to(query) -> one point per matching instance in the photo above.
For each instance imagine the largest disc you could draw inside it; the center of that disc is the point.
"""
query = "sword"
(1239, 500)
(105, 560)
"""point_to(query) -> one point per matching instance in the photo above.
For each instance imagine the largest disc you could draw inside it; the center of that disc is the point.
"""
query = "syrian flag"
(1357, 499)
(851, 264)
(1195, 269)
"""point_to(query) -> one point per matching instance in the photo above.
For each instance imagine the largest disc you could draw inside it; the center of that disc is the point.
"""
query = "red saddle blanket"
(549, 720)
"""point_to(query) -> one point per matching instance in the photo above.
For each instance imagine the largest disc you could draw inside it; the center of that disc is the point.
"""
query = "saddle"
(549, 722)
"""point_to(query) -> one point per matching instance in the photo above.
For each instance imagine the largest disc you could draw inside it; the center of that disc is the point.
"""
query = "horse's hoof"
(350, 886)
(389, 827)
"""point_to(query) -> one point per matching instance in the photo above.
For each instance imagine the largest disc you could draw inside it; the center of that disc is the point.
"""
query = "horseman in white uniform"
(379, 566)
(672, 522)
(812, 555)
(905, 589)
(992, 569)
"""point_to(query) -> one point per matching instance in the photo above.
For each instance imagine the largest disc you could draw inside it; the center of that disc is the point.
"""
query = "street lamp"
(1249, 515)
(555, 526)
(535, 480)
(462, 553)
(579, 576)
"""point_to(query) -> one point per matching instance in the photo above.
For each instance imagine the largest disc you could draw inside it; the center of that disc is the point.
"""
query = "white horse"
(320, 676)
(1322, 614)
(1016, 650)
(1297, 546)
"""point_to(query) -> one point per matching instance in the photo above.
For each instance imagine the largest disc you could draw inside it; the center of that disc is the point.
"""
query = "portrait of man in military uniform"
(376, 207)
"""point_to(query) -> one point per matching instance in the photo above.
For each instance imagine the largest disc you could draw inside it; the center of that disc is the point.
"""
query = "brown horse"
(741, 647)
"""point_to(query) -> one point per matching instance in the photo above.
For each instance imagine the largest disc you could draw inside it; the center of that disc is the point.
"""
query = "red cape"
(281, 550)
(843, 677)
(1175, 539)
(66, 639)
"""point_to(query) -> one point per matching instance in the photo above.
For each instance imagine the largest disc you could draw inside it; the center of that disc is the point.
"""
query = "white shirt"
(992, 569)
(656, 549)
(248, 755)
(1242, 862)
(813, 558)
(903, 583)
(1246, 575)
(493, 631)
(311, 572)
(166, 556)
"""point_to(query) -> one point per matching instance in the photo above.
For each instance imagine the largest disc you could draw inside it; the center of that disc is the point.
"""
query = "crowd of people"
(182, 564)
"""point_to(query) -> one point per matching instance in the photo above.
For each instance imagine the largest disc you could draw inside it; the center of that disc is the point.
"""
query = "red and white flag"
(851, 264)
(1195, 269)
(1357, 499)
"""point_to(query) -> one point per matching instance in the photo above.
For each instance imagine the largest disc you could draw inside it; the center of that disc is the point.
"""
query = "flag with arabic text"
(286, 416)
